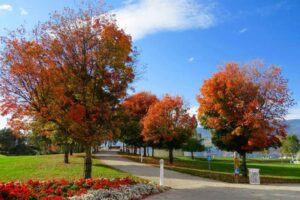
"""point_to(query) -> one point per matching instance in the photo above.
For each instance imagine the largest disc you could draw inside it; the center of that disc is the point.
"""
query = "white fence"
(165, 153)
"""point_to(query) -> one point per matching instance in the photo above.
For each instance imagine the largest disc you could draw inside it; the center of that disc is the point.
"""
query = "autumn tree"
(169, 124)
(244, 107)
(135, 108)
(72, 70)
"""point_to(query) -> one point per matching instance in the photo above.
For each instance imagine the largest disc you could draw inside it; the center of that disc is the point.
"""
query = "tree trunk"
(77, 148)
(134, 150)
(152, 151)
(95, 149)
(127, 149)
(66, 156)
(244, 165)
(192, 154)
(145, 151)
(171, 158)
(71, 149)
(88, 163)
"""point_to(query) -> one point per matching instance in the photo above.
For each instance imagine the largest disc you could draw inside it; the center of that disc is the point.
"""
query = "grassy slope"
(21, 168)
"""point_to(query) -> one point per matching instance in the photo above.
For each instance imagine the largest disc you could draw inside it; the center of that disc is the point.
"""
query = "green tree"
(290, 145)
(53, 134)
(14, 144)
(40, 142)
(194, 144)
(7, 140)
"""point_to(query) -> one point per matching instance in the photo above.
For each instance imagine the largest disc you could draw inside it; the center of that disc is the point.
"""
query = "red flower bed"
(56, 190)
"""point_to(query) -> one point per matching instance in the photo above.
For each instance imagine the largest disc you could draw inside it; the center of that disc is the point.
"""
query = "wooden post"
(161, 175)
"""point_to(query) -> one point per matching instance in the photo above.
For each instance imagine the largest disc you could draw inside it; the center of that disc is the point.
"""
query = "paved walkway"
(187, 187)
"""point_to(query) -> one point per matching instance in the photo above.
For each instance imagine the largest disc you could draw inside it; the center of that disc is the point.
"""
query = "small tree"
(169, 124)
(194, 144)
(245, 107)
(56, 134)
(135, 107)
(41, 142)
(290, 145)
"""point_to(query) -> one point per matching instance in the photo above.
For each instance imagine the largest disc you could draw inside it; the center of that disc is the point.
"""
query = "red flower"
(56, 190)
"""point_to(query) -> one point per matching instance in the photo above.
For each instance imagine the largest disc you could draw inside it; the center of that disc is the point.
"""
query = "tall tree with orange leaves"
(72, 70)
(244, 107)
(135, 108)
(169, 124)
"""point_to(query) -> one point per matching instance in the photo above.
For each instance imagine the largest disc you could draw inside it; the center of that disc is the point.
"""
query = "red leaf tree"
(169, 124)
(244, 107)
(73, 71)
(135, 108)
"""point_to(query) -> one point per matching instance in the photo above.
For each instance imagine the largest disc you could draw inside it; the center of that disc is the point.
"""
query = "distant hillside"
(204, 133)
(293, 128)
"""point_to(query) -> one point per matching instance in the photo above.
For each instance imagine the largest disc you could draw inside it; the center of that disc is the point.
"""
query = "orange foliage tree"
(135, 108)
(244, 107)
(73, 70)
(169, 124)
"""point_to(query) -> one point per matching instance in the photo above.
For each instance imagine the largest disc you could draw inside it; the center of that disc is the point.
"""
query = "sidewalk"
(187, 187)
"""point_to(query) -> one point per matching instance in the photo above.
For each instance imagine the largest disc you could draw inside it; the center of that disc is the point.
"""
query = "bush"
(22, 149)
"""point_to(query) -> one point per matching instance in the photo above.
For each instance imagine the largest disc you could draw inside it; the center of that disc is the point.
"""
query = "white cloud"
(191, 59)
(144, 17)
(23, 12)
(294, 114)
(5, 7)
(193, 111)
(3, 121)
(243, 30)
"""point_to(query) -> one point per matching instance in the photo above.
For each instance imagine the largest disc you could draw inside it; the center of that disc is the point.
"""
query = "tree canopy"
(169, 124)
(194, 144)
(73, 71)
(290, 145)
(135, 107)
(7, 140)
(244, 107)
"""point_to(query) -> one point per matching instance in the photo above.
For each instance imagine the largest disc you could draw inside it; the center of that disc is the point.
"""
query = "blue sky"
(182, 42)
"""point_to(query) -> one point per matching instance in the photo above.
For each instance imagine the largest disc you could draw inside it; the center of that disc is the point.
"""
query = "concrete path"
(187, 187)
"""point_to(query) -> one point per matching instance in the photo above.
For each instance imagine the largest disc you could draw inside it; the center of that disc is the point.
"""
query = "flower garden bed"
(122, 188)
(128, 192)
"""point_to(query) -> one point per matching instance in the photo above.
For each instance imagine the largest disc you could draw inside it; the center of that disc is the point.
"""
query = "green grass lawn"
(271, 170)
(268, 167)
(44, 167)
